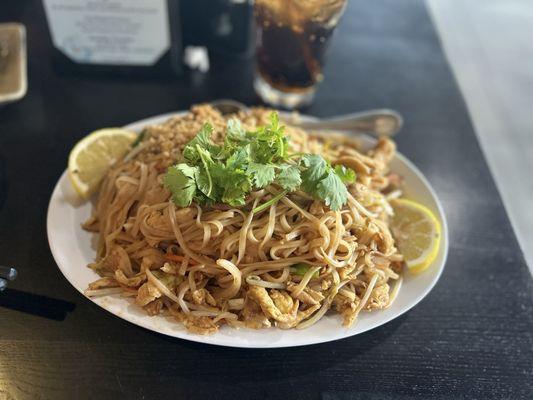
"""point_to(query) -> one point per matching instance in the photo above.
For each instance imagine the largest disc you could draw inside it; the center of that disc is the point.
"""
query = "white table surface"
(489, 44)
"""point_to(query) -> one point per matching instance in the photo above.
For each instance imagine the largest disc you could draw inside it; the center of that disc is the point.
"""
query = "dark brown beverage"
(292, 39)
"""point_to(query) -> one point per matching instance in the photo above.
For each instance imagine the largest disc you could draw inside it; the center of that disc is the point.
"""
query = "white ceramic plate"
(72, 249)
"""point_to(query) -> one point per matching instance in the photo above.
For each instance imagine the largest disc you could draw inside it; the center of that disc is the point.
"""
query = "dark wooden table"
(470, 338)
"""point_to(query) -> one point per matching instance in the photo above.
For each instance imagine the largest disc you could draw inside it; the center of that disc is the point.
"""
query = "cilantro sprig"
(209, 173)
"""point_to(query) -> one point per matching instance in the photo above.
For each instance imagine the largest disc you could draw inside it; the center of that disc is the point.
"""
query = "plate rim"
(341, 334)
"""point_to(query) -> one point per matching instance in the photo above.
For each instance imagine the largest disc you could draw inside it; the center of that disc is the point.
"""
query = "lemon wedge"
(417, 232)
(92, 156)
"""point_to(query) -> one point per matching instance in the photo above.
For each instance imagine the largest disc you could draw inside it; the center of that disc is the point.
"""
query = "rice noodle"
(257, 281)
(102, 292)
(232, 290)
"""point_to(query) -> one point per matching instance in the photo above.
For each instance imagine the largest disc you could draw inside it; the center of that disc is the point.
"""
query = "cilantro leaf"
(201, 198)
(237, 185)
(332, 191)
(324, 182)
(262, 174)
(239, 159)
(205, 176)
(289, 177)
(274, 121)
(271, 145)
(204, 182)
(236, 137)
(347, 175)
(180, 180)
(201, 140)
(234, 131)
(315, 169)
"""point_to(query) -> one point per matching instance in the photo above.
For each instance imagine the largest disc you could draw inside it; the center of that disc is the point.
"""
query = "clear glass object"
(292, 39)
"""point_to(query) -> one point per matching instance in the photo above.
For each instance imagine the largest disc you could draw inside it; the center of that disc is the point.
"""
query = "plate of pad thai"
(242, 230)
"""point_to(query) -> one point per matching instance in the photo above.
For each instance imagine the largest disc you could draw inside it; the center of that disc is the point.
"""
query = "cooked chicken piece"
(117, 259)
(379, 297)
(106, 282)
(308, 295)
(134, 281)
(154, 307)
(344, 272)
(147, 293)
(349, 314)
(170, 268)
(300, 316)
(282, 300)
(260, 295)
(346, 308)
(199, 325)
(326, 283)
(203, 297)
(253, 315)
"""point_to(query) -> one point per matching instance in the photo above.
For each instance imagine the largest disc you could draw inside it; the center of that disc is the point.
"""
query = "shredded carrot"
(174, 257)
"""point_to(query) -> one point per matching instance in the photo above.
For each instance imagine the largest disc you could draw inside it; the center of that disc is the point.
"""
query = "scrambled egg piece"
(170, 268)
(253, 315)
(347, 309)
(118, 259)
(134, 281)
(260, 295)
(147, 293)
(199, 325)
(379, 297)
(282, 301)
(300, 316)
(102, 283)
(203, 297)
